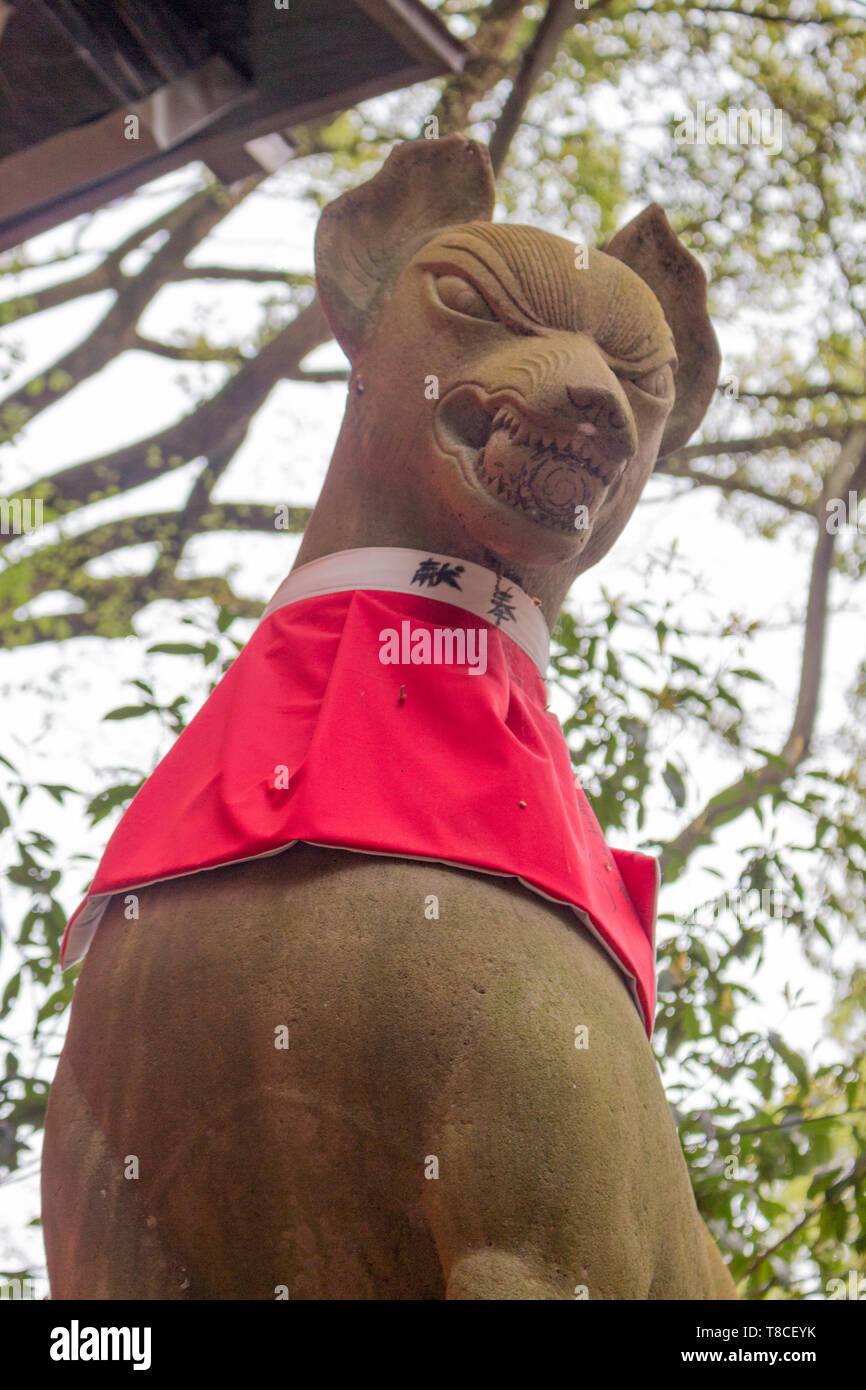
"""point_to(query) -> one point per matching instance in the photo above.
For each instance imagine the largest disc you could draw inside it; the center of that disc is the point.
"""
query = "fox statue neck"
(366, 502)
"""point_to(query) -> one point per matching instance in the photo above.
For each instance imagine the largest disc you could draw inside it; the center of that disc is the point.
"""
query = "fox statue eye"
(458, 294)
(658, 383)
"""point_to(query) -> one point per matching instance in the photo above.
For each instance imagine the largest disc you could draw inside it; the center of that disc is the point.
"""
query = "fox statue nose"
(605, 419)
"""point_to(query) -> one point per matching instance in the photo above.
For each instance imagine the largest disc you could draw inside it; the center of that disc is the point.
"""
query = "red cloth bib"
(342, 724)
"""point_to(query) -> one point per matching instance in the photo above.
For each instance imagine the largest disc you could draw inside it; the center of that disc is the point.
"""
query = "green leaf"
(104, 802)
(822, 931)
(793, 1061)
(681, 663)
(10, 994)
(38, 879)
(56, 789)
(675, 785)
(129, 711)
(722, 693)
(56, 1003)
(176, 649)
(774, 759)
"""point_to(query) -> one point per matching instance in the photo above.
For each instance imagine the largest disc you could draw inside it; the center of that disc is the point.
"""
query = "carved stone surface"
(555, 375)
(510, 394)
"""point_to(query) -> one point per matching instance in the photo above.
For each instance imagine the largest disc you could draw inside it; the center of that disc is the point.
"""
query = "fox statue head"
(510, 392)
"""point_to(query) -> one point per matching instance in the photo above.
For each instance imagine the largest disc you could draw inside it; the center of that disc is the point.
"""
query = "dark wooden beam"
(211, 114)
(420, 31)
(82, 166)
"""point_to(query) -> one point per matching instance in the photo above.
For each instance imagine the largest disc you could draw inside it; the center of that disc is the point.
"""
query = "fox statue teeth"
(537, 476)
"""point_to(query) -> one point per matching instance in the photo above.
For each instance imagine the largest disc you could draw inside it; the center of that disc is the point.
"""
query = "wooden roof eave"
(210, 115)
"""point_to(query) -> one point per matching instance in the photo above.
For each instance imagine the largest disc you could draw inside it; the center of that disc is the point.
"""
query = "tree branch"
(53, 566)
(115, 331)
(832, 1195)
(219, 423)
(672, 469)
(319, 375)
(757, 443)
(494, 36)
(255, 275)
(748, 789)
(60, 566)
(806, 393)
(197, 503)
(767, 18)
(115, 601)
(176, 352)
(835, 487)
(106, 276)
(536, 62)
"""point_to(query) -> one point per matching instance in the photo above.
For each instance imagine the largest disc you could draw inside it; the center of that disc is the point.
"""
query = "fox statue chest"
(404, 718)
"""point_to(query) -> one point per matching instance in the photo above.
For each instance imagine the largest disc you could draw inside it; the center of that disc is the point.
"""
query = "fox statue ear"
(367, 236)
(649, 247)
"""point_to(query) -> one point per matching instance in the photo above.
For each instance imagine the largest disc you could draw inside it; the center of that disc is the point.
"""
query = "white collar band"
(500, 602)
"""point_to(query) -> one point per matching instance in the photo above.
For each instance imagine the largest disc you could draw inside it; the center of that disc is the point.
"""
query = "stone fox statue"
(365, 1011)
